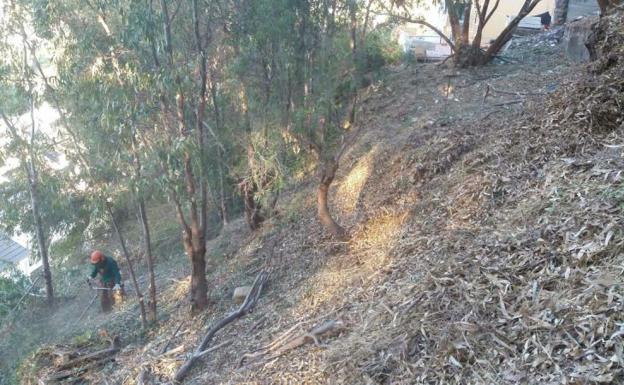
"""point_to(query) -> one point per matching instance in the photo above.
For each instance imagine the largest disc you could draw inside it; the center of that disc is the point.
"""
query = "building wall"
(508, 9)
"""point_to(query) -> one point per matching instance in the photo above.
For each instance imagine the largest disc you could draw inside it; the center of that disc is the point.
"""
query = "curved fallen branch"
(245, 308)
(287, 342)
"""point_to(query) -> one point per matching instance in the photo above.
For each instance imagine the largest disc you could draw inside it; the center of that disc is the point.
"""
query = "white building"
(13, 254)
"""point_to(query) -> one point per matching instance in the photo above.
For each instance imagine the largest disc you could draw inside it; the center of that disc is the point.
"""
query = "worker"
(109, 280)
(545, 20)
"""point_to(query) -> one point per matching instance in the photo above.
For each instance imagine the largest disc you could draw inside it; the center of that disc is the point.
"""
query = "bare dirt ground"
(484, 208)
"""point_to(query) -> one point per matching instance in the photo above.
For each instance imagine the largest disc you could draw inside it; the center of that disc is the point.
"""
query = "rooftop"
(11, 251)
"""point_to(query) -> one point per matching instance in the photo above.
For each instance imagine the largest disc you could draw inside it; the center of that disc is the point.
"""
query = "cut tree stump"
(240, 293)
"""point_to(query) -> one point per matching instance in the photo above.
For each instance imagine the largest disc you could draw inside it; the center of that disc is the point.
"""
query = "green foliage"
(13, 285)
(380, 49)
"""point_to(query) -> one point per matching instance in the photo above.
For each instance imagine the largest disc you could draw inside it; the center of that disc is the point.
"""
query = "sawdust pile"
(595, 103)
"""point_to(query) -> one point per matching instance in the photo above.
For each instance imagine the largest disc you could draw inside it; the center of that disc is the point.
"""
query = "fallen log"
(63, 374)
(245, 308)
(95, 356)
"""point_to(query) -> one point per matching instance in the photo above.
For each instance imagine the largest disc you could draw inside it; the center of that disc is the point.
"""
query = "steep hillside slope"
(485, 214)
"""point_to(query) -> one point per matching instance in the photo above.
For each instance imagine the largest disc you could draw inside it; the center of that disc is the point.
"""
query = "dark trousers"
(107, 299)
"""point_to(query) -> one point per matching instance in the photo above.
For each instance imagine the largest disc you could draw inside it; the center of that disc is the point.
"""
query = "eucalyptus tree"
(95, 101)
(302, 86)
(19, 98)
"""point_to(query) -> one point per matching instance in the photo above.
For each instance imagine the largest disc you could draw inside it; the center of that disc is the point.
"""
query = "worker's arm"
(94, 271)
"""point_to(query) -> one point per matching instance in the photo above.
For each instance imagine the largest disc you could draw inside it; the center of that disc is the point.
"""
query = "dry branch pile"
(596, 102)
(69, 363)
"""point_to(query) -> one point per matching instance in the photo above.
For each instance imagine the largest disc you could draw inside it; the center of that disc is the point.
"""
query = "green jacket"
(108, 269)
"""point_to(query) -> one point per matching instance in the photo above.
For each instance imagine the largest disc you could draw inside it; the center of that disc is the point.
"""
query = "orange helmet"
(97, 256)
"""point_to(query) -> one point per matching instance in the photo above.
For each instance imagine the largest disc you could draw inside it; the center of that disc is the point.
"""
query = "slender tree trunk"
(481, 16)
(561, 11)
(466, 24)
(151, 303)
(224, 212)
(34, 199)
(122, 243)
(28, 163)
(328, 172)
(506, 34)
(41, 241)
(454, 22)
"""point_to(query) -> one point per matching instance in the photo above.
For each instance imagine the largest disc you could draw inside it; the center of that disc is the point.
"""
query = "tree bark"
(561, 11)
(34, 199)
(122, 243)
(453, 21)
(151, 303)
(28, 163)
(147, 242)
(41, 241)
(466, 24)
(328, 172)
(252, 208)
(199, 285)
(222, 198)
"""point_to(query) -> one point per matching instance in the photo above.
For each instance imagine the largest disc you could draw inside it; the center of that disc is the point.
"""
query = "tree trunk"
(224, 212)
(41, 241)
(506, 34)
(328, 172)
(465, 38)
(561, 11)
(252, 208)
(151, 303)
(453, 21)
(34, 199)
(122, 242)
(199, 285)
(249, 188)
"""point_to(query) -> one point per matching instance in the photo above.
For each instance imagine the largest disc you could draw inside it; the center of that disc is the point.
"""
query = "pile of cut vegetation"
(80, 361)
(595, 103)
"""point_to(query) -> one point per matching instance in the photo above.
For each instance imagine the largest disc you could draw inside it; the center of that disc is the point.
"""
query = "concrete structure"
(409, 34)
(13, 254)
(582, 8)
(575, 35)
(424, 47)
